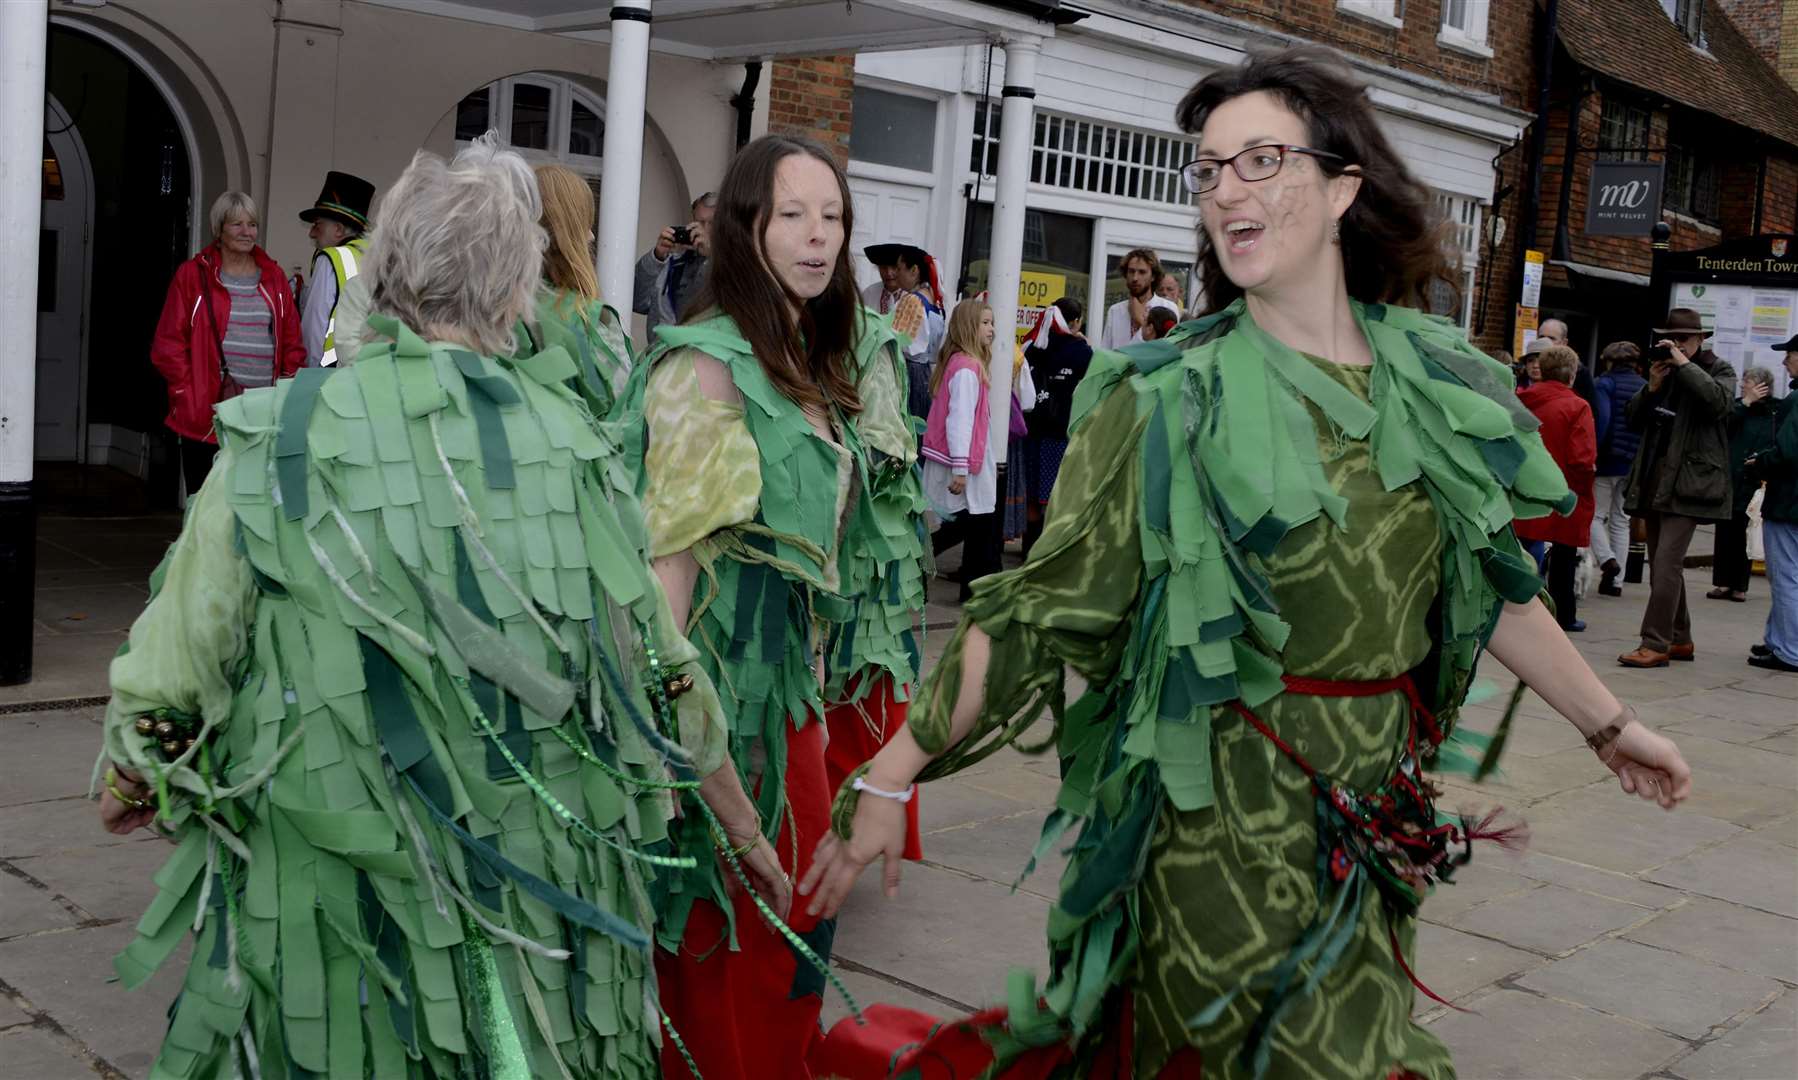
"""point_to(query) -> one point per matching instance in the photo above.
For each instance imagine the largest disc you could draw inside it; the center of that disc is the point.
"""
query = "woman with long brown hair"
(569, 310)
(754, 472)
(1280, 542)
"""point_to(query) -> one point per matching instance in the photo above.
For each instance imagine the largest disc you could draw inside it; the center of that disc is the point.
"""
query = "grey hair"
(459, 251)
(1758, 374)
(709, 199)
(227, 204)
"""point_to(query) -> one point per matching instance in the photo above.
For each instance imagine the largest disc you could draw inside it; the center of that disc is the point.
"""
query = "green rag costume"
(408, 626)
(884, 565)
(1231, 512)
(591, 333)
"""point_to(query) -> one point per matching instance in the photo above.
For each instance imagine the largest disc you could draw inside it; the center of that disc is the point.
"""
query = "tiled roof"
(1634, 42)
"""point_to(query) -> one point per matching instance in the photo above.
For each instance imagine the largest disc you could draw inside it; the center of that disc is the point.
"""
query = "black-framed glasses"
(1257, 163)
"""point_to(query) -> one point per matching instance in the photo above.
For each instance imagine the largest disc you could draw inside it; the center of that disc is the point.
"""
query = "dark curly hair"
(1392, 236)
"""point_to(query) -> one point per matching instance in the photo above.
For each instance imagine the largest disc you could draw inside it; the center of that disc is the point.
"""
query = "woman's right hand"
(1649, 765)
(119, 818)
(957, 485)
(878, 830)
(762, 866)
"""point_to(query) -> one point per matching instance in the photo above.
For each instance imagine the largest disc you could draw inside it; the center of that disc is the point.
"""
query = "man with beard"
(1124, 321)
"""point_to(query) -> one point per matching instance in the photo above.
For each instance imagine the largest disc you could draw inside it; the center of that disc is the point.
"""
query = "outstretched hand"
(1648, 764)
(878, 830)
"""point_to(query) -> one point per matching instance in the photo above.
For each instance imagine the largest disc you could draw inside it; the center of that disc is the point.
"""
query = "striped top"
(249, 332)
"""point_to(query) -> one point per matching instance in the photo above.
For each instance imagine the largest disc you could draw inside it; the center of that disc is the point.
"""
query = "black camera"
(1659, 353)
(683, 235)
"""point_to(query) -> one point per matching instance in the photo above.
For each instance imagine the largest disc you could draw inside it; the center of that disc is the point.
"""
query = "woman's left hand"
(119, 818)
(877, 832)
(1648, 764)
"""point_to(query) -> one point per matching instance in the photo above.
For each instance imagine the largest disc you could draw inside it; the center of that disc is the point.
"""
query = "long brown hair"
(963, 336)
(1392, 250)
(807, 360)
(568, 218)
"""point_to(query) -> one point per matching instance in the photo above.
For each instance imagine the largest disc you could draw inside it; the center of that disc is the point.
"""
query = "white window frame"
(563, 93)
(1385, 12)
(877, 169)
(1471, 37)
(1091, 171)
(1465, 216)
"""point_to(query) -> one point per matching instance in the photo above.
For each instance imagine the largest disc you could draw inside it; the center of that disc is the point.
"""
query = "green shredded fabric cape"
(1207, 447)
(412, 610)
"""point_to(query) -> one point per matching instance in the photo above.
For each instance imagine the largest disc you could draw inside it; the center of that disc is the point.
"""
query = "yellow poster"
(1036, 292)
(1526, 329)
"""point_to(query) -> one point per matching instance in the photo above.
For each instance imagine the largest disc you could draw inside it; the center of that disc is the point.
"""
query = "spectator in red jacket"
(229, 324)
(1567, 431)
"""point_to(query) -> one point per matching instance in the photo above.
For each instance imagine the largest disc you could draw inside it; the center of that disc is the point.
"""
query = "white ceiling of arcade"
(752, 29)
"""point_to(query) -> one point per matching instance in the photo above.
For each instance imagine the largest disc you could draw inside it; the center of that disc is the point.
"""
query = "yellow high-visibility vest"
(346, 263)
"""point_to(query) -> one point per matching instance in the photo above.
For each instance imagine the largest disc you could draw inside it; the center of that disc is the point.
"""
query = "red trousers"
(857, 732)
(752, 1013)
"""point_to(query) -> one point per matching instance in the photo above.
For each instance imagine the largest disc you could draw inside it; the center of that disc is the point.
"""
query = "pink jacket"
(936, 430)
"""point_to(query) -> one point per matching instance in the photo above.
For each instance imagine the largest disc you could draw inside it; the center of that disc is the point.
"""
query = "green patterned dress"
(1230, 514)
(414, 775)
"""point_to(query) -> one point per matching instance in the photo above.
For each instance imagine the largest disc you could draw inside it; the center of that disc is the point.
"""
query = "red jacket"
(1568, 432)
(185, 349)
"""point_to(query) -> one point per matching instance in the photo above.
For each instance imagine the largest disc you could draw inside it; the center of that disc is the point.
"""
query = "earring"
(1336, 231)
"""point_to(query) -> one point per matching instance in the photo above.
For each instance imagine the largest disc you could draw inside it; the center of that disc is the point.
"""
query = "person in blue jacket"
(1620, 365)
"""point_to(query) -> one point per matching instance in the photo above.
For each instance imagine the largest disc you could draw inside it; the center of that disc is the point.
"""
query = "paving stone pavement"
(1625, 943)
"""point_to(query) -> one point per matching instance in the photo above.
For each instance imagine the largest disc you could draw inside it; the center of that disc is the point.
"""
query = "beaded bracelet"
(112, 785)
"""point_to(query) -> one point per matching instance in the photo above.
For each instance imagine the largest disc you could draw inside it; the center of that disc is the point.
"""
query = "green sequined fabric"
(387, 563)
(1230, 512)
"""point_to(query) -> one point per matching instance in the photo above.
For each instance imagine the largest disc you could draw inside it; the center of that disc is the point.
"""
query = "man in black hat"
(339, 221)
(1681, 474)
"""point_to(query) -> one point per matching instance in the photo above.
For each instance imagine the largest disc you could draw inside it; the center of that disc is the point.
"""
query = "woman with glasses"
(1280, 542)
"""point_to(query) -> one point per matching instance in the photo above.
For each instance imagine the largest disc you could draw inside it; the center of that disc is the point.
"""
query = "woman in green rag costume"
(755, 476)
(399, 697)
(1279, 544)
(569, 312)
(871, 661)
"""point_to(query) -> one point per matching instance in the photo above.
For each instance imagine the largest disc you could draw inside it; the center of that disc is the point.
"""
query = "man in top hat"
(1681, 473)
(339, 221)
(908, 270)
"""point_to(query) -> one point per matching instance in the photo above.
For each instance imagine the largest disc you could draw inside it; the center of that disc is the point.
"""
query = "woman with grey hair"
(1751, 423)
(228, 324)
(410, 701)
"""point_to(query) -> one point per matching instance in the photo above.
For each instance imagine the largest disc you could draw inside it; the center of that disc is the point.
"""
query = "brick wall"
(1412, 47)
(1779, 197)
(813, 96)
(1788, 43)
(1760, 21)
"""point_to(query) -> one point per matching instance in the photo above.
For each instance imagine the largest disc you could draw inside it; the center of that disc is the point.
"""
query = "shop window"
(1693, 185)
(1058, 254)
(1462, 216)
(1114, 281)
(893, 129)
(1082, 155)
(1622, 130)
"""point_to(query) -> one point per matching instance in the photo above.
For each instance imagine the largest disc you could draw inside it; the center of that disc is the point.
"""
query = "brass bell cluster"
(676, 685)
(174, 733)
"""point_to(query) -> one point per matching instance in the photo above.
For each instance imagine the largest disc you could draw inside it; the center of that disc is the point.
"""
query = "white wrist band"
(861, 784)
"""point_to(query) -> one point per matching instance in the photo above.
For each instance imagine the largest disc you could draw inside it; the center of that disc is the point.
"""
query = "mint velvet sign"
(1624, 198)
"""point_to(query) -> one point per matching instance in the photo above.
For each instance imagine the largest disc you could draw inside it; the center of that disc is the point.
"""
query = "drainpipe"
(1569, 162)
(1526, 234)
(744, 101)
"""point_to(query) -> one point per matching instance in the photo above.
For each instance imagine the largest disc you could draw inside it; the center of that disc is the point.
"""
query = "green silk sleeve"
(1066, 606)
(189, 640)
(702, 468)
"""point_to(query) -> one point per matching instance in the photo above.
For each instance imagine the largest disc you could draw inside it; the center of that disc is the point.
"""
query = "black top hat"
(345, 198)
(1682, 322)
(888, 254)
(1791, 345)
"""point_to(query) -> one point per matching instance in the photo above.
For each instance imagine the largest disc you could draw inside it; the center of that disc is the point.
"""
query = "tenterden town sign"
(1624, 198)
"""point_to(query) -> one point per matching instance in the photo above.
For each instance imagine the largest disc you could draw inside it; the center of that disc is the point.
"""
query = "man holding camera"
(670, 274)
(1681, 474)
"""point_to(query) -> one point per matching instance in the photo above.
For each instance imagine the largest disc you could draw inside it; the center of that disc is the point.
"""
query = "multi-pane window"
(1462, 239)
(1084, 155)
(1693, 185)
(1688, 15)
(546, 117)
(1622, 131)
(1466, 19)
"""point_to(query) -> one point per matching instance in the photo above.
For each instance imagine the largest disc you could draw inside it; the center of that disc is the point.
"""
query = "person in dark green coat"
(1750, 428)
(1777, 465)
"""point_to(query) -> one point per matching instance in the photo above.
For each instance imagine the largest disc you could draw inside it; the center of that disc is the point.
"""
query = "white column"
(1017, 126)
(24, 25)
(627, 81)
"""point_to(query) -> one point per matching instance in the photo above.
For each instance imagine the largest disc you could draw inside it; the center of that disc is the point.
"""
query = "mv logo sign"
(1624, 198)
